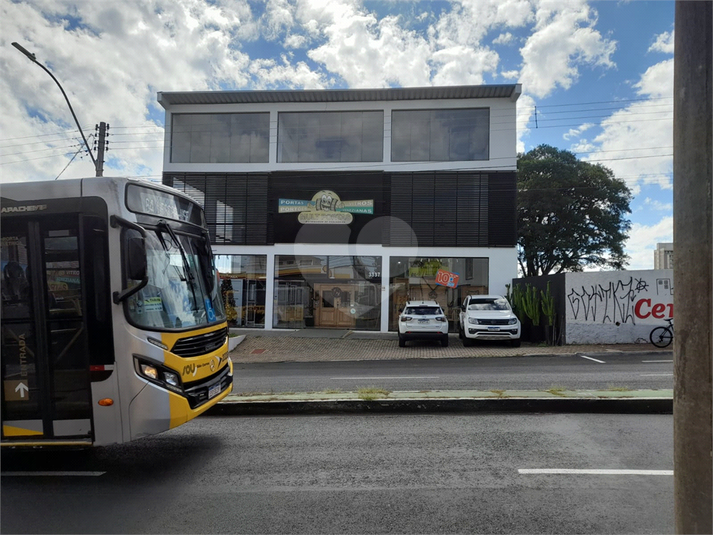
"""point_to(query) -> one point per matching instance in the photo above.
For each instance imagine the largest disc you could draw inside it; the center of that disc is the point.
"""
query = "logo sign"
(23, 209)
(446, 278)
(325, 208)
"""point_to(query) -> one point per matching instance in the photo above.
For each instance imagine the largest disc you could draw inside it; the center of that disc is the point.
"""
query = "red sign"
(446, 278)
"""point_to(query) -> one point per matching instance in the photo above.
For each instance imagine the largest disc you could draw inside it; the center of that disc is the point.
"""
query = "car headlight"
(512, 321)
(474, 321)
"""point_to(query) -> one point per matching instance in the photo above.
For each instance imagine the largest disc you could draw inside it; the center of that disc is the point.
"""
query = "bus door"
(45, 359)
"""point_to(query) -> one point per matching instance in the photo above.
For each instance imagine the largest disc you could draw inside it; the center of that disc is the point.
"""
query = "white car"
(423, 320)
(488, 317)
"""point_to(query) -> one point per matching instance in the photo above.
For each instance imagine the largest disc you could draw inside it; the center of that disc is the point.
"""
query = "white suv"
(423, 320)
(488, 317)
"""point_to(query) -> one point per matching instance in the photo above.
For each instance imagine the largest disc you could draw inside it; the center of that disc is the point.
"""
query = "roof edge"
(175, 98)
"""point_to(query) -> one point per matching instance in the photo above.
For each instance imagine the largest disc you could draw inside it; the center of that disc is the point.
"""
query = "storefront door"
(336, 306)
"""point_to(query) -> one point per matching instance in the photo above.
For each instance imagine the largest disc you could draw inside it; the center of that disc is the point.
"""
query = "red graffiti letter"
(637, 308)
(657, 311)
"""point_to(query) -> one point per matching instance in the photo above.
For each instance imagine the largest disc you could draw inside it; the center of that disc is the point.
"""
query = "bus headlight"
(158, 374)
(149, 371)
(171, 378)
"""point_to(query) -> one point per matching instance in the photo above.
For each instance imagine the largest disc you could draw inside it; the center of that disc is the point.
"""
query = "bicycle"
(662, 336)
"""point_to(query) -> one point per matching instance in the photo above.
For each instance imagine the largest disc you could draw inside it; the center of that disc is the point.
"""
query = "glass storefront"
(412, 278)
(243, 287)
(340, 292)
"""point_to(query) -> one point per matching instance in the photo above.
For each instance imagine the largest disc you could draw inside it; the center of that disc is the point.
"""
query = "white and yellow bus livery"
(113, 326)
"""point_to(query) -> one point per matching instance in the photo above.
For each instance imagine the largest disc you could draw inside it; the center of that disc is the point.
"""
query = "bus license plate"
(213, 391)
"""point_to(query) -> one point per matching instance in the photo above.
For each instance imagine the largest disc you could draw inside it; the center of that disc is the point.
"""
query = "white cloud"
(367, 52)
(564, 38)
(525, 110)
(658, 205)
(504, 39)
(663, 43)
(576, 132)
(657, 81)
(636, 142)
(643, 239)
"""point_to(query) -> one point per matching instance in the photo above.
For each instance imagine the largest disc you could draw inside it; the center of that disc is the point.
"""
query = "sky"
(597, 76)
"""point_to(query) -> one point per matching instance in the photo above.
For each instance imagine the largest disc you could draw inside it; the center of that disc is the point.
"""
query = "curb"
(622, 405)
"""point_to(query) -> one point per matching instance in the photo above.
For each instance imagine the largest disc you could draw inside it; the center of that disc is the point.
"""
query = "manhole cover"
(257, 351)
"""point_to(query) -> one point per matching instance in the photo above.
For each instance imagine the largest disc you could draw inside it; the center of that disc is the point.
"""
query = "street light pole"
(33, 59)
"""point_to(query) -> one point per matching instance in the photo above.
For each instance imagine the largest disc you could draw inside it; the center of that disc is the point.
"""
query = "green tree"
(571, 213)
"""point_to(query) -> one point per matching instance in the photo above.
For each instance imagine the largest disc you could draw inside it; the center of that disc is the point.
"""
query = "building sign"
(325, 208)
(446, 278)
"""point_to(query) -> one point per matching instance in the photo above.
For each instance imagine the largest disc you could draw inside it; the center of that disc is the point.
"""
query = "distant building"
(663, 256)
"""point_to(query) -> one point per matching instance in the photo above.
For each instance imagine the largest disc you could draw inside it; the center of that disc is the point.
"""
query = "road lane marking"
(51, 474)
(369, 377)
(590, 358)
(657, 361)
(593, 471)
(656, 374)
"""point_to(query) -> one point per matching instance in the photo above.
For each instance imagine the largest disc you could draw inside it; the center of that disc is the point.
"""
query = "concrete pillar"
(693, 267)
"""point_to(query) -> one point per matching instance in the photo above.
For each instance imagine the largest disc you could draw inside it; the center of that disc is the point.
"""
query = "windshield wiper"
(189, 276)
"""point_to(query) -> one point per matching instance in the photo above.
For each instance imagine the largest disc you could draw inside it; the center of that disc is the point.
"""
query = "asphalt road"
(573, 372)
(358, 474)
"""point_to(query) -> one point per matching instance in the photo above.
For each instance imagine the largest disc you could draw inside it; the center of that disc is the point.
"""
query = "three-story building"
(331, 208)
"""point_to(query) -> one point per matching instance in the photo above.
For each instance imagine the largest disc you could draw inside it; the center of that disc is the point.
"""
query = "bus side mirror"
(207, 265)
(136, 251)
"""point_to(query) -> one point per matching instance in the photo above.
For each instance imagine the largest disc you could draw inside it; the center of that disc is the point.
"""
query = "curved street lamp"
(34, 60)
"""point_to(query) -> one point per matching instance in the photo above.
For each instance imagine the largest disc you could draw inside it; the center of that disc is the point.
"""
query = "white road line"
(590, 471)
(656, 374)
(369, 377)
(657, 361)
(45, 474)
(590, 358)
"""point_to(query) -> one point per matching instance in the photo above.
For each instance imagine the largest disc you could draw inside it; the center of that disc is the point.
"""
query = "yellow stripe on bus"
(11, 431)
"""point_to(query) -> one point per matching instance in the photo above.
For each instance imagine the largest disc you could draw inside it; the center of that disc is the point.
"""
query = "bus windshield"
(179, 293)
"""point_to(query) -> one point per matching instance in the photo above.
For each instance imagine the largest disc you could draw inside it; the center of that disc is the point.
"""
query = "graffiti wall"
(617, 307)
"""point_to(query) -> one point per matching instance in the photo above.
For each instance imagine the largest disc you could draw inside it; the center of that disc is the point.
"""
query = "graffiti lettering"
(657, 310)
(611, 302)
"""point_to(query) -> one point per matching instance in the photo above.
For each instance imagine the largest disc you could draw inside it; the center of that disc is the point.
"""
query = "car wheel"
(467, 342)
(402, 341)
(444, 340)
(460, 332)
(515, 343)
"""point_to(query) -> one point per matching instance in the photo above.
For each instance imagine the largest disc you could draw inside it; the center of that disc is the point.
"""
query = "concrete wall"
(616, 307)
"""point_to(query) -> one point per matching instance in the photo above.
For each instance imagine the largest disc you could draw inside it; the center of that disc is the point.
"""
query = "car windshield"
(488, 304)
(423, 311)
(178, 293)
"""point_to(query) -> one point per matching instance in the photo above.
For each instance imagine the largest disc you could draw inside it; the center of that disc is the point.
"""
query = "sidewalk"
(322, 345)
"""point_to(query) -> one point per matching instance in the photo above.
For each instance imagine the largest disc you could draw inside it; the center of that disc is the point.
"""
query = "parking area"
(317, 345)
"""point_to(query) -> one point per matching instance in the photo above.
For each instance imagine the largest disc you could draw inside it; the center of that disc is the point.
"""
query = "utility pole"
(693, 267)
(102, 144)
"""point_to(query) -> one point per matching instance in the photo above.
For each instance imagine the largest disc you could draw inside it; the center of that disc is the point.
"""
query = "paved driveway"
(298, 348)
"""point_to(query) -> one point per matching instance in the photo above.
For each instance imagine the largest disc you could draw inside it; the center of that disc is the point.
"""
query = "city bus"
(113, 325)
